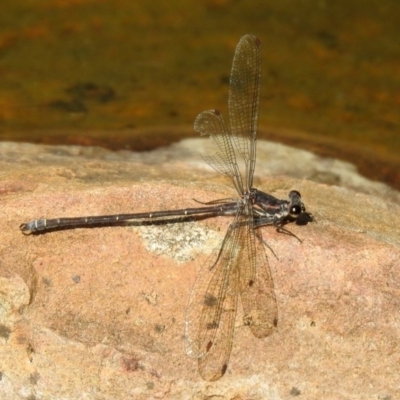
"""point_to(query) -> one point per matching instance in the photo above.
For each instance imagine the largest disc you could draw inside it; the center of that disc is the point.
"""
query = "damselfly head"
(297, 210)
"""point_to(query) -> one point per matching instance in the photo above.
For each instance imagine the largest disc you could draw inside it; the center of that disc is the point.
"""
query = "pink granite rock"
(99, 313)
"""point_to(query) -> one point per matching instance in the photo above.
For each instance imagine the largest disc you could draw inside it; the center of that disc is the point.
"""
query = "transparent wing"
(214, 363)
(212, 306)
(240, 266)
(224, 160)
(260, 311)
(244, 96)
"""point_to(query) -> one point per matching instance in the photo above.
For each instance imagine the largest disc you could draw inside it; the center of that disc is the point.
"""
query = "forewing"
(212, 308)
(214, 362)
(244, 97)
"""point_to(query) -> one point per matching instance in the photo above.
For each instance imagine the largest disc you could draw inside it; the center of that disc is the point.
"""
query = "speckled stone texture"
(99, 313)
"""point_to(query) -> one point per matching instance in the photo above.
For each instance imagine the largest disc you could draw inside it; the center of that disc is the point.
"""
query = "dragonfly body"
(239, 268)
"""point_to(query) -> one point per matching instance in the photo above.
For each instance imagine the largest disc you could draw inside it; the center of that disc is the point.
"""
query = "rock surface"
(99, 313)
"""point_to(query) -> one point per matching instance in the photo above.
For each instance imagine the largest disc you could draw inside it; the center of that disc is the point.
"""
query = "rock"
(99, 313)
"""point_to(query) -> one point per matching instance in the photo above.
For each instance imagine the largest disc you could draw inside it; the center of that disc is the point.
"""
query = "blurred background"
(134, 74)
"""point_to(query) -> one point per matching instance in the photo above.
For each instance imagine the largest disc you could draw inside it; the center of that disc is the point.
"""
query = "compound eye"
(295, 211)
(294, 193)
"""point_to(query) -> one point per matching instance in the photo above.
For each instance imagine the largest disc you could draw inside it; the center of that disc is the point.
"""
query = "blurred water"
(135, 74)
